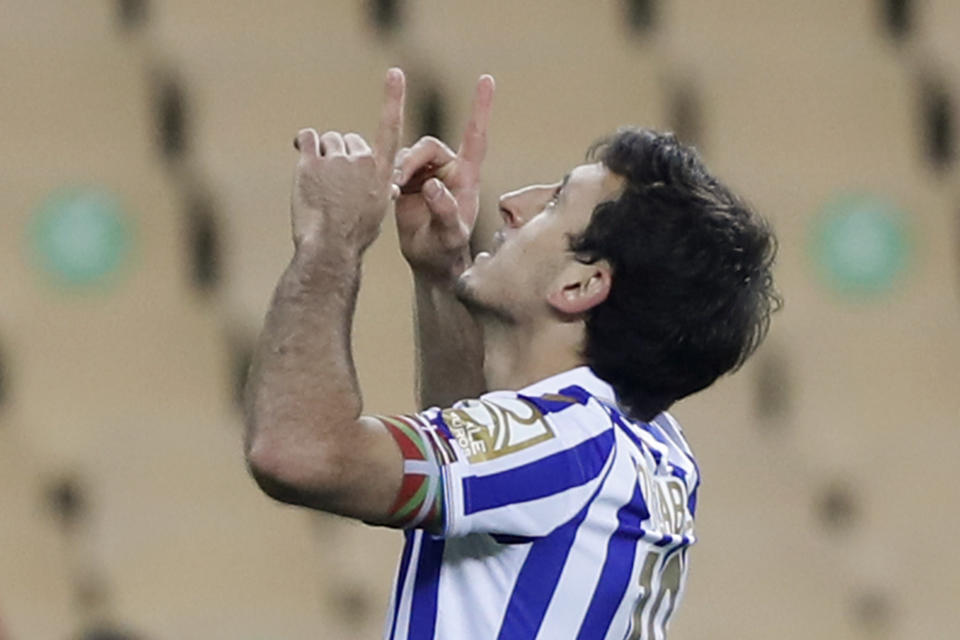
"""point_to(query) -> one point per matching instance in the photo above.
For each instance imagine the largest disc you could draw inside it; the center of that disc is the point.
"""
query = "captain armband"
(419, 502)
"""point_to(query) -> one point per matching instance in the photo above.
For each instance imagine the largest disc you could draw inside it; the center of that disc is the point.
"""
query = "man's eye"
(554, 199)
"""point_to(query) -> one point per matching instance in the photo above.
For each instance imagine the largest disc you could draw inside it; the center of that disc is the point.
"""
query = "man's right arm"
(435, 217)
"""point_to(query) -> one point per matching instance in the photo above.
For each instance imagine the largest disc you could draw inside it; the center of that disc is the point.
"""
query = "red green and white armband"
(420, 499)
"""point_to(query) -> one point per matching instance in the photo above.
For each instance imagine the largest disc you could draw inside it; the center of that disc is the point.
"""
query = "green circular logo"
(860, 244)
(79, 236)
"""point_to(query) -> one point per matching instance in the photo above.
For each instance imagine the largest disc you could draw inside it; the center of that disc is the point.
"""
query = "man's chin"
(466, 292)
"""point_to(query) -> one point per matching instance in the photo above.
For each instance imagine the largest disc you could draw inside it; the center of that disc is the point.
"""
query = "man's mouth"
(498, 239)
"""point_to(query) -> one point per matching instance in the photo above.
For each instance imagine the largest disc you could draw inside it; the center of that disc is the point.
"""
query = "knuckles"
(433, 143)
(330, 144)
(430, 141)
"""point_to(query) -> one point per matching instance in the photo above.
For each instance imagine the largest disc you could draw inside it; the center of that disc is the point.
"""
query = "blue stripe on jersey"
(677, 549)
(423, 610)
(617, 568)
(437, 421)
(680, 473)
(547, 405)
(664, 541)
(576, 392)
(538, 579)
(401, 578)
(654, 429)
(539, 479)
(634, 438)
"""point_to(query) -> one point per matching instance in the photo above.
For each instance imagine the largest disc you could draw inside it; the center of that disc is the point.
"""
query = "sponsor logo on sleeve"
(485, 430)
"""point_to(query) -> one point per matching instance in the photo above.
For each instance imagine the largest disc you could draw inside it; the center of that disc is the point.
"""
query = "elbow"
(265, 467)
(266, 460)
(291, 474)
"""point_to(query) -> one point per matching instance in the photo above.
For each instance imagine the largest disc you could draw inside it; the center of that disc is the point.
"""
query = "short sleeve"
(520, 465)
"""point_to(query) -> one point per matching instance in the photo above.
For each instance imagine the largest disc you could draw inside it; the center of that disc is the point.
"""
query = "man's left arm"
(306, 441)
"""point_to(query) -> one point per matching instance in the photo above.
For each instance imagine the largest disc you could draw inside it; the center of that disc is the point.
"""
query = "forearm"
(302, 389)
(449, 345)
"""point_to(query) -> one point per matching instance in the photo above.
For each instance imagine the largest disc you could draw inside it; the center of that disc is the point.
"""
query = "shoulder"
(679, 459)
(526, 461)
(502, 423)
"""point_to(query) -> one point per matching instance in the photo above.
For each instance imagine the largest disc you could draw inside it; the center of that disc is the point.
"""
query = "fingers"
(391, 121)
(441, 203)
(428, 151)
(307, 142)
(356, 145)
(473, 148)
(332, 144)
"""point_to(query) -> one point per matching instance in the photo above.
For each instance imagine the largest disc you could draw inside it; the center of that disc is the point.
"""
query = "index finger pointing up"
(391, 120)
(473, 148)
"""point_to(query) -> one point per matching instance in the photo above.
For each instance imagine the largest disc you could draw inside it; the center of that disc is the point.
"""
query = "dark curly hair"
(692, 288)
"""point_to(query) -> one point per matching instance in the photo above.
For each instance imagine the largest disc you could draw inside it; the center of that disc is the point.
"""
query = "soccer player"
(543, 489)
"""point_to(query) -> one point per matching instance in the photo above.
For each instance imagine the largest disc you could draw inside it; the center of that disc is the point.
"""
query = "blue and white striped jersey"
(562, 519)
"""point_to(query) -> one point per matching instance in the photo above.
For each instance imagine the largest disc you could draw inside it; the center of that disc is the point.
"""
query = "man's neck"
(517, 355)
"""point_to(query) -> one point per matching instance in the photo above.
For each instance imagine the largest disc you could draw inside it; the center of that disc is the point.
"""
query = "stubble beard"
(478, 308)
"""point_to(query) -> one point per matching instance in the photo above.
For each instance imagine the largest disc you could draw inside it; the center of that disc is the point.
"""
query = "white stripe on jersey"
(586, 561)
(403, 592)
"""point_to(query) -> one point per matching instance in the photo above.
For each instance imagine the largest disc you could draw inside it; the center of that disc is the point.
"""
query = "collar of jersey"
(582, 377)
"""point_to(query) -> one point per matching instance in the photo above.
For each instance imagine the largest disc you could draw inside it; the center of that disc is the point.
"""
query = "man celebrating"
(544, 491)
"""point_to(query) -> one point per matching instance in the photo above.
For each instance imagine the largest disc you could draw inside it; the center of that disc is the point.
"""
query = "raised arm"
(436, 214)
(306, 442)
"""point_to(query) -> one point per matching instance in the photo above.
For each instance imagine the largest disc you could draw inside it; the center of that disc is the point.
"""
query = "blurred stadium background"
(145, 161)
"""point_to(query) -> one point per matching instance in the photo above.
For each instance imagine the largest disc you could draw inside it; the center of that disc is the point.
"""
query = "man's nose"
(509, 212)
(517, 207)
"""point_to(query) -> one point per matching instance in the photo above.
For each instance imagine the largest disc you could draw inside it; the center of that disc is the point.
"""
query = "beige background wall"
(830, 516)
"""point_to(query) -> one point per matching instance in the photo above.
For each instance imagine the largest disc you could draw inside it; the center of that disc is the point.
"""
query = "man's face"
(532, 247)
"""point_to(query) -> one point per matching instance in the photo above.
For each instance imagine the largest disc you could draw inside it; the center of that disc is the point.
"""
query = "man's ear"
(580, 287)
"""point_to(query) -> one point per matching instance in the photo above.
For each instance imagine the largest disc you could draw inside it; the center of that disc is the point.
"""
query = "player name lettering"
(666, 499)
